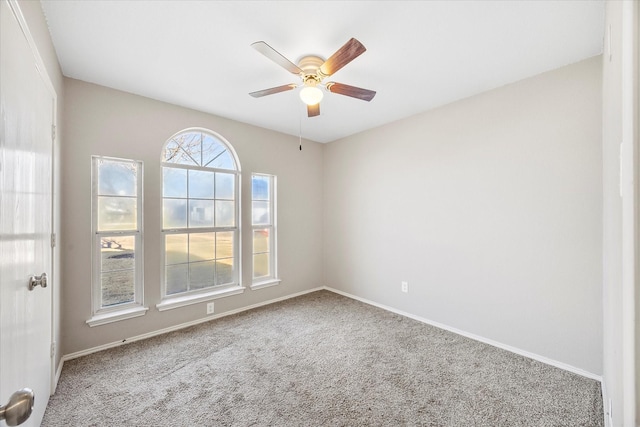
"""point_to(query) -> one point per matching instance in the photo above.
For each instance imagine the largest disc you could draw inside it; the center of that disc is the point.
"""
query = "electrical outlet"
(405, 287)
(209, 308)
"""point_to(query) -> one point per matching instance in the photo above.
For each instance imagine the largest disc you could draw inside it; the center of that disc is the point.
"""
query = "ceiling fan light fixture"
(311, 95)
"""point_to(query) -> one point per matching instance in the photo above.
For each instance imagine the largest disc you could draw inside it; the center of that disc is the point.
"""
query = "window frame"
(273, 278)
(193, 296)
(103, 315)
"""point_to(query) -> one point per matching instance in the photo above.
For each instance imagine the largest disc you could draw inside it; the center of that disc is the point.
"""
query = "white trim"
(608, 422)
(265, 284)
(56, 376)
(115, 316)
(209, 318)
(14, 5)
(628, 191)
(479, 338)
(184, 300)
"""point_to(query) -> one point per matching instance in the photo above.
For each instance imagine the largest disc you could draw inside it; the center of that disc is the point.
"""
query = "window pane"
(225, 213)
(117, 178)
(190, 140)
(201, 184)
(177, 277)
(224, 271)
(224, 186)
(117, 287)
(202, 247)
(211, 150)
(260, 187)
(174, 182)
(200, 213)
(202, 274)
(170, 151)
(223, 161)
(261, 240)
(117, 213)
(176, 248)
(261, 265)
(174, 153)
(117, 253)
(260, 213)
(174, 213)
(190, 146)
(224, 244)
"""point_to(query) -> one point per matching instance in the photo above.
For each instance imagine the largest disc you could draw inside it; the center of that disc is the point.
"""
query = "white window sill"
(115, 316)
(265, 284)
(181, 301)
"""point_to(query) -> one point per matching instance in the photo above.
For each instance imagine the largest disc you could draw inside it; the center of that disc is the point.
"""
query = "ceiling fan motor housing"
(310, 64)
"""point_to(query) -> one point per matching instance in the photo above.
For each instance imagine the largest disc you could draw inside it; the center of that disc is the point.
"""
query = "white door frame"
(14, 5)
(630, 192)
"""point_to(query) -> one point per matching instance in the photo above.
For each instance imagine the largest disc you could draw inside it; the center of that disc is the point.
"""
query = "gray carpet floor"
(318, 360)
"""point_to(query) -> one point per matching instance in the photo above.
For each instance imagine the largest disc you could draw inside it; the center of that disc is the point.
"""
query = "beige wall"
(490, 208)
(102, 121)
(34, 17)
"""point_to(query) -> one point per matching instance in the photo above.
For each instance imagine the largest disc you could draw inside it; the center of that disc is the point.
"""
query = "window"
(200, 219)
(263, 223)
(117, 239)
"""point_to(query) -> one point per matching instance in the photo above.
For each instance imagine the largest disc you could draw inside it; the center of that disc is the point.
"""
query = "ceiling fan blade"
(313, 110)
(347, 53)
(352, 91)
(276, 57)
(271, 91)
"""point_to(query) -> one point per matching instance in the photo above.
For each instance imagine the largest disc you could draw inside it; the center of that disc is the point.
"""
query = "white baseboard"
(88, 351)
(515, 350)
(57, 377)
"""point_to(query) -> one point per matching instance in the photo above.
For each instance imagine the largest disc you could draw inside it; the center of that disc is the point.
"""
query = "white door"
(26, 117)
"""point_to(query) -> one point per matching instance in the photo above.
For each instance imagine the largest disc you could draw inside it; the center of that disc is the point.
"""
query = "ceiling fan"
(312, 70)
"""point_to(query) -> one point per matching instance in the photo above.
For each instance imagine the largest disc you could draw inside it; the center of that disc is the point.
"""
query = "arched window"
(200, 218)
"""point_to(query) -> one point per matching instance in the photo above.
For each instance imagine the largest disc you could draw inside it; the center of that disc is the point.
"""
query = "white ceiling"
(420, 55)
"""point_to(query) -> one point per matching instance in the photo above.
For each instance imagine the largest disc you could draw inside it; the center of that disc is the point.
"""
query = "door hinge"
(53, 240)
(53, 349)
(53, 132)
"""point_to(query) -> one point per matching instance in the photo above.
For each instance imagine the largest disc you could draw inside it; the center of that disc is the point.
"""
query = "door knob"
(38, 280)
(19, 407)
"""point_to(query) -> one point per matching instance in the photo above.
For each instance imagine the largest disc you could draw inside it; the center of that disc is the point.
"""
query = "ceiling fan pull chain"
(300, 128)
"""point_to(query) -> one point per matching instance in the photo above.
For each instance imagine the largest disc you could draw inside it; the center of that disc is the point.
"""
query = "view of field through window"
(262, 223)
(199, 211)
(117, 229)
(118, 269)
(198, 260)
